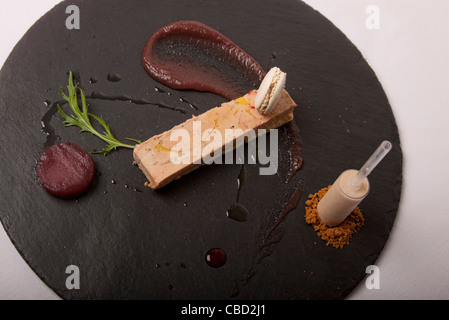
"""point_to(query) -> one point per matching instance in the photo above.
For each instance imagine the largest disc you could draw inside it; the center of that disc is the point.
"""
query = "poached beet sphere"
(65, 170)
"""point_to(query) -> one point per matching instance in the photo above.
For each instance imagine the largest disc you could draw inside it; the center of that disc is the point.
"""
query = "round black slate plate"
(131, 242)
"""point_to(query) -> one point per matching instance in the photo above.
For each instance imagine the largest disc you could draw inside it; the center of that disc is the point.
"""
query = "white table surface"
(410, 55)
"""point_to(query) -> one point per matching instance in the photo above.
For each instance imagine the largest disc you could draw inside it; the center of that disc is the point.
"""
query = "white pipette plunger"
(371, 163)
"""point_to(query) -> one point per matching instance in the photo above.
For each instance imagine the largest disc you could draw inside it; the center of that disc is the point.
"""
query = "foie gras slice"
(153, 156)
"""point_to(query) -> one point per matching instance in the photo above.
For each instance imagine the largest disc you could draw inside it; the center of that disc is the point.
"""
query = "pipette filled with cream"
(350, 188)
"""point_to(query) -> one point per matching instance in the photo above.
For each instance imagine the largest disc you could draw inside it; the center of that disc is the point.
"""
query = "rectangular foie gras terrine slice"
(153, 156)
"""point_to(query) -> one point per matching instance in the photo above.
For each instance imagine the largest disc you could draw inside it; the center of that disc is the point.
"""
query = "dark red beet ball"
(65, 170)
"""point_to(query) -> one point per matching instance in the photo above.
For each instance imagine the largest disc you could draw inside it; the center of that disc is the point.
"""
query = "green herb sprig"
(81, 119)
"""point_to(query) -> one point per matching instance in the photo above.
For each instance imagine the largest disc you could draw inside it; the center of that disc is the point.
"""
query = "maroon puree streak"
(189, 55)
(65, 170)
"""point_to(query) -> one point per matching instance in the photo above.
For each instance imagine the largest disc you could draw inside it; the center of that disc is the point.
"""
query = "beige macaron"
(270, 90)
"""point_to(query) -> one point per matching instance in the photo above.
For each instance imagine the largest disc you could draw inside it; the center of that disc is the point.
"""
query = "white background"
(409, 54)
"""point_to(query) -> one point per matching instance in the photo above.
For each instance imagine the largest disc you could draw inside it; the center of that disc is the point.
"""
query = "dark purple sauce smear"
(290, 203)
(189, 55)
(270, 236)
(290, 159)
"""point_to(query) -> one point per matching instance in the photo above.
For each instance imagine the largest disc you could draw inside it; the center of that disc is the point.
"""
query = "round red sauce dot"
(65, 170)
(216, 257)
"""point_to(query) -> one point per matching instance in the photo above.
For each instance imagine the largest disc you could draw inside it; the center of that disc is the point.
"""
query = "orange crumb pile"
(340, 235)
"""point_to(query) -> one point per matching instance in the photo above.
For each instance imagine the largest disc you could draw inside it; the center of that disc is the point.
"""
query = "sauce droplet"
(114, 77)
(189, 55)
(216, 257)
(238, 213)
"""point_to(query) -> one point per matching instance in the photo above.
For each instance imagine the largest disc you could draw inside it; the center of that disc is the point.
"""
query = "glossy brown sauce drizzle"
(189, 55)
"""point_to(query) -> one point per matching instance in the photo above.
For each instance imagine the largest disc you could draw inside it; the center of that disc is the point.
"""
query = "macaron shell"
(264, 89)
(276, 95)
